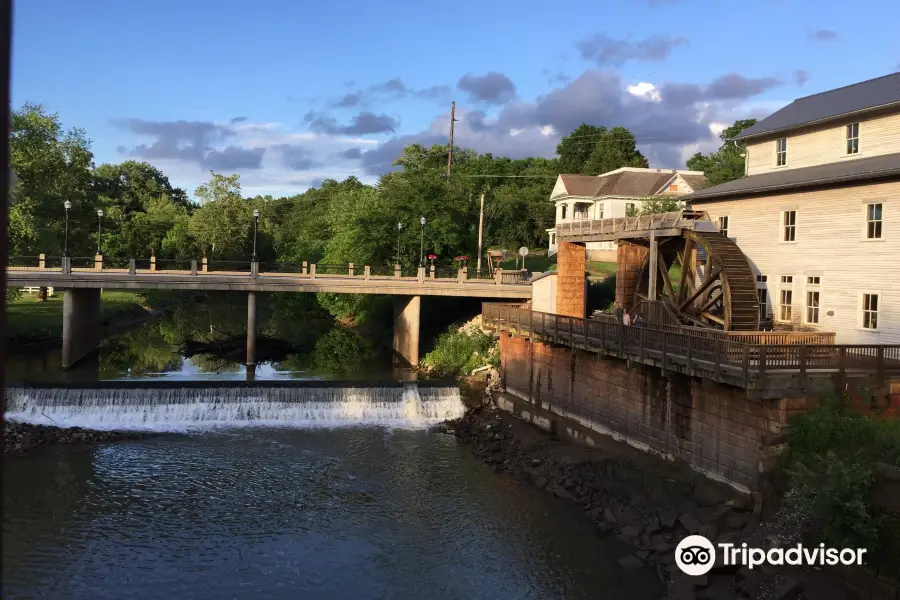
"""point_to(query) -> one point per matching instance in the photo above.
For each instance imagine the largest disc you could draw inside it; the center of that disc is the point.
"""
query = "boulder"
(630, 562)
(690, 522)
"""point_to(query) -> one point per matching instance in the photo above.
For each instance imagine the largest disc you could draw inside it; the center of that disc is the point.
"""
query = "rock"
(653, 526)
(595, 513)
(645, 541)
(788, 590)
(690, 522)
(667, 519)
(535, 462)
(608, 516)
(708, 494)
(662, 547)
(630, 562)
(561, 492)
(540, 481)
(531, 473)
(642, 554)
(738, 520)
(629, 532)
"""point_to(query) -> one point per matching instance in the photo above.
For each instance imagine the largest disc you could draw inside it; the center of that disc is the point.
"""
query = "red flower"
(461, 258)
(432, 257)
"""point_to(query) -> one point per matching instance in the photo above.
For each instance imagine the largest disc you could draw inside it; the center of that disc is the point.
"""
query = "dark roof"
(697, 182)
(856, 169)
(862, 96)
(624, 183)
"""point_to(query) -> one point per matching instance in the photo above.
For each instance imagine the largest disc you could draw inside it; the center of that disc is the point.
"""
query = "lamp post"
(255, 229)
(99, 231)
(422, 244)
(399, 230)
(67, 205)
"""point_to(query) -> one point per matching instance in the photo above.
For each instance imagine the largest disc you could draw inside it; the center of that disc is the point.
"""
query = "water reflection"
(198, 340)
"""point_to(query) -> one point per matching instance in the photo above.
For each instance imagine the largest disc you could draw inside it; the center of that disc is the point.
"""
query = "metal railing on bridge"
(734, 361)
(207, 267)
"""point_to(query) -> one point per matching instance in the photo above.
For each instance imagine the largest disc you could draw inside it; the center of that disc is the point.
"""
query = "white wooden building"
(818, 213)
(614, 194)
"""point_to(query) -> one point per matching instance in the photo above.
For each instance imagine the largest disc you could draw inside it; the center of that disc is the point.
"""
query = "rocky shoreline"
(20, 438)
(650, 505)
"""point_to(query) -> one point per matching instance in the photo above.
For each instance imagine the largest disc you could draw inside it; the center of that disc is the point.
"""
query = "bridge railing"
(686, 352)
(206, 267)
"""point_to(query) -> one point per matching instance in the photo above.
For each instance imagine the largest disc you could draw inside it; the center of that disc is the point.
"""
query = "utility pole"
(480, 228)
(452, 121)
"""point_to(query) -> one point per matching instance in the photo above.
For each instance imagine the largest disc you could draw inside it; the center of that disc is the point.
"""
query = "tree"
(614, 149)
(132, 184)
(654, 205)
(224, 220)
(727, 163)
(575, 149)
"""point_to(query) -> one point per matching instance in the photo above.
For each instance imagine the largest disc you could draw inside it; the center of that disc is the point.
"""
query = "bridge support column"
(571, 282)
(81, 325)
(629, 260)
(251, 331)
(407, 318)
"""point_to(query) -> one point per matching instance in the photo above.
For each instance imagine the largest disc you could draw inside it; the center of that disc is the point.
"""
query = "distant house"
(612, 194)
(818, 213)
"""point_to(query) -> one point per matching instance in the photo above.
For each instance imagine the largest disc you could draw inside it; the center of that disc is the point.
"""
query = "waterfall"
(195, 408)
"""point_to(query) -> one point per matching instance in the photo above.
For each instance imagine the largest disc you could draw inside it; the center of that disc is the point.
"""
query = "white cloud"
(645, 90)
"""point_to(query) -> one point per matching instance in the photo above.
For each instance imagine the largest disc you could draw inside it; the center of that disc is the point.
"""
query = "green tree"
(224, 220)
(612, 150)
(575, 149)
(654, 205)
(132, 184)
(727, 163)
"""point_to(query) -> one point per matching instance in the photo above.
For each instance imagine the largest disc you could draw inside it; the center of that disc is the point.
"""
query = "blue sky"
(287, 93)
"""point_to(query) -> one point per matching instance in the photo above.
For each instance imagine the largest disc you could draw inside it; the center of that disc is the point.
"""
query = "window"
(813, 280)
(563, 211)
(552, 239)
(853, 138)
(600, 211)
(763, 303)
(787, 279)
(723, 226)
(629, 209)
(873, 221)
(781, 152)
(787, 298)
(761, 279)
(870, 311)
(789, 226)
(812, 306)
(673, 187)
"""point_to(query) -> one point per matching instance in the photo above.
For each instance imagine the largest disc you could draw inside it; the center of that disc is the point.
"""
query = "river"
(281, 490)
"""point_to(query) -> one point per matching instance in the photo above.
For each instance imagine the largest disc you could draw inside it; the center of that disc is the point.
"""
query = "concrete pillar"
(407, 318)
(42, 261)
(81, 325)
(251, 330)
(571, 281)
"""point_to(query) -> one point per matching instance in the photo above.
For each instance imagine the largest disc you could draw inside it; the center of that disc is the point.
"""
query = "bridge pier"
(251, 331)
(81, 324)
(407, 320)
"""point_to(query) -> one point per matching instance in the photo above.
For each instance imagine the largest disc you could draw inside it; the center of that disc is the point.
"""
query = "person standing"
(626, 318)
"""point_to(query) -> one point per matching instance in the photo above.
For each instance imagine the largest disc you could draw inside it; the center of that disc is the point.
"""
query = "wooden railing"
(720, 358)
(625, 226)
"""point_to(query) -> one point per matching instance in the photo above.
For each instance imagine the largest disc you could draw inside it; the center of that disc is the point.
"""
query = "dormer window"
(781, 152)
(853, 138)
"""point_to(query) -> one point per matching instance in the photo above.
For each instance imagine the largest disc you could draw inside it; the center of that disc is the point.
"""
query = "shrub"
(601, 294)
(461, 350)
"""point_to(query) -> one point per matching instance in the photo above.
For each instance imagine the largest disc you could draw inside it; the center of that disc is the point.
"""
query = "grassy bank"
(30, 321)
(538, 261)
(462, 349)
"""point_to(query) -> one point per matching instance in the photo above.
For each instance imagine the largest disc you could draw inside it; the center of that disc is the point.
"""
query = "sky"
(290, 92)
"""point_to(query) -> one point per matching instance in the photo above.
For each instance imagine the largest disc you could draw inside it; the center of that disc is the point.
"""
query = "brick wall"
(711, 426)
(571, 294)
(629, 260)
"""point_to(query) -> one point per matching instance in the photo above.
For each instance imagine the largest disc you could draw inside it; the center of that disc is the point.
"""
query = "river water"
(284, 489)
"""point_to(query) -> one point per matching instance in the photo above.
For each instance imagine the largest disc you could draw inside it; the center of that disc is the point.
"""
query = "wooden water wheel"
(711, 285)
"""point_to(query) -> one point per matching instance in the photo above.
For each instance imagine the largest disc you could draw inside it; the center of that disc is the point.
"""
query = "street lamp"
(255, 229)
(399, 229)
(67, 205)
(99, 231)
(422, 244)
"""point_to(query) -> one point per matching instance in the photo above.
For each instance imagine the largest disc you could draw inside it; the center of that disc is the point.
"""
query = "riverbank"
(19, 438)
(33, 325)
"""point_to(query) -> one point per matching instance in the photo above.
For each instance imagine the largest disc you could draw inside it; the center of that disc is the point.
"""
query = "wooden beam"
(661, 264)
(685, 268)
(712, 317)
(706, 284)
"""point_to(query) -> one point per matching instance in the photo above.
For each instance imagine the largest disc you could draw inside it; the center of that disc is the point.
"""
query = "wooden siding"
(559, 189)
(827, 144)
(830, 244)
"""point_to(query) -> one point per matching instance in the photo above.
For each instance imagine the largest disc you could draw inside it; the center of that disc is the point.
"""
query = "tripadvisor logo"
(696, 555)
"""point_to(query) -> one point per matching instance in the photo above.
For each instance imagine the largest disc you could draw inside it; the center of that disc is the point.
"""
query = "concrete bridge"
(83, 278)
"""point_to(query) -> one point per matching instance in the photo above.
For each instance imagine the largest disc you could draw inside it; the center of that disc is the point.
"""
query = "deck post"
(251, 330)
(761, 368)
(350, 269)
(690, 354)
(664, 357)
(396, 271)
(193, 266)
(641, 344)
(718, 364)
(304, 268)
(312, 271)
(42, 261)
(132, 266)
(367, 272)
(153, 263)
(204, 265)
(842, 371)
(879, 365)
(746, 366)
(804, 352)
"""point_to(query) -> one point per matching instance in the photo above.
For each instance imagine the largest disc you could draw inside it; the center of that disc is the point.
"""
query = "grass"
(30, 320)
(538, 261)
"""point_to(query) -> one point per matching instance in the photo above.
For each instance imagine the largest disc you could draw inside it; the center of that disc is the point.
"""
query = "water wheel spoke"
(664, 273)
(710, 280)
(711, 302)
(685, 259)
(712, 317)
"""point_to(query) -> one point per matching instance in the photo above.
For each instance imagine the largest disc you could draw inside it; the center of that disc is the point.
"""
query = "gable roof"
(697, 182)
(863, 96)
(624, 182)
(859, 169)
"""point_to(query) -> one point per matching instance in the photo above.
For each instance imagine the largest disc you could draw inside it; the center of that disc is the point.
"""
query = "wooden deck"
(765, 370)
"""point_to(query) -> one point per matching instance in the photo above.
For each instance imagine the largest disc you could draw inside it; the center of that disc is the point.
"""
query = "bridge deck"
(122, 279)
(669, 224)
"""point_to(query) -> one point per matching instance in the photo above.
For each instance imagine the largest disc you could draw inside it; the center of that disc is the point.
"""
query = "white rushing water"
(186, 409)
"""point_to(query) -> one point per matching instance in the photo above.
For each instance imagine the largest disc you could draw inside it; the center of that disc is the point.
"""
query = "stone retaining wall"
(715, 428)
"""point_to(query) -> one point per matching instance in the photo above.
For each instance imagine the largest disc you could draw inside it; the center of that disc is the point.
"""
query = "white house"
(818, 213)
(615, 194)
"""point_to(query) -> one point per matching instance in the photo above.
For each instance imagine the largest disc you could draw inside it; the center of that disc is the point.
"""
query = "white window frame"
(813, 286)
(762, 297)
(781, 152)
(785, 308)
(863, 310)
(632, 206)
(849, 137)
(599, 210)
(783, 227)
(563, 212)
(879, 223)
(723, 225)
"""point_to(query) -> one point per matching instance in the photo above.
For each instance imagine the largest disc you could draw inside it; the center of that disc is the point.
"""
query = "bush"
(601, 294)
(461, 350)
